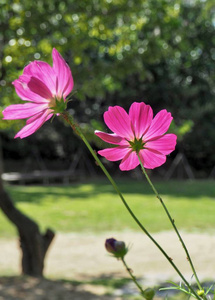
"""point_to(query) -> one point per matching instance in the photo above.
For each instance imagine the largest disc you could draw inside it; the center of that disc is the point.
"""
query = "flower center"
(137, 145)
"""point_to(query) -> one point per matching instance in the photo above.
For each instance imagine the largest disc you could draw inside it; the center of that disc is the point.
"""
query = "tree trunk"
(34, 245)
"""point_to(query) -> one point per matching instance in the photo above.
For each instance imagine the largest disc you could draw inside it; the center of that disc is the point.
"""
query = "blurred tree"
(33, 244)
(160, 52)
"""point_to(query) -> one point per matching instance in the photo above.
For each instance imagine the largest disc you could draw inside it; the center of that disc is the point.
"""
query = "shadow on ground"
(17, 288)
(23, 287)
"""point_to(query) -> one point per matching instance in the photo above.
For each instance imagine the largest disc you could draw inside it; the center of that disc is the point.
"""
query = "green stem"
(77, 129)
(172, 222)
(132, 277)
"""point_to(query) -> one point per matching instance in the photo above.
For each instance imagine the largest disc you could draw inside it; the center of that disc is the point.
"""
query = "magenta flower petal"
(22, 111)
(139, 134)
(164, 144)
(160, 124)
(39, 88)
(64, 84)
(40, 69)
(141, 117)
(114, 154)
(151, 159)
(117, 119)
(111, 138)
(46, 88)
(24, 92)
(129, 162)
(33, 126)
(49, 114)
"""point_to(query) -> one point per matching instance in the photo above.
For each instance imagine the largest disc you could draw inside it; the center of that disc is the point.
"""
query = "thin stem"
(77, 129)
(172, 222)
(132, 277)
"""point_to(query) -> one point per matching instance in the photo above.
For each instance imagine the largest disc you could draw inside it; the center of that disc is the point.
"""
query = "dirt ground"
(83, 257)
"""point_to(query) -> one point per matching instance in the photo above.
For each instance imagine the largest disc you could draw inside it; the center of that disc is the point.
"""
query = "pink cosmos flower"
(45, 88)
(137, 132)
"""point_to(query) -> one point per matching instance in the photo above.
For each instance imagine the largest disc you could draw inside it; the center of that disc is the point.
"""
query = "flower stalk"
(172, 223)
(132, 277)
(77, 129)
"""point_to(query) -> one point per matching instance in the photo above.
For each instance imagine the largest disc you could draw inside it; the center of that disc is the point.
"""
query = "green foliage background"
(120, 51)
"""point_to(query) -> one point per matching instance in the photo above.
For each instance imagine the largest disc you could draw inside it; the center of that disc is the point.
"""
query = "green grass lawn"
(94, 206)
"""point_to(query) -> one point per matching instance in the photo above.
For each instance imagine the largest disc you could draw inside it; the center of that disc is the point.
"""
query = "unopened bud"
(149, 294)
(117, 248)
(200, 292)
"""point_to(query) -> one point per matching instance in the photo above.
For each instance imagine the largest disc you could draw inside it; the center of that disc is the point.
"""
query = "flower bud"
(200, 292)
(149, 294)
(117, 248)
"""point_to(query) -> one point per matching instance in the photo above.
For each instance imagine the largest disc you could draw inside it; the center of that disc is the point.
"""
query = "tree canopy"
(160, 52)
